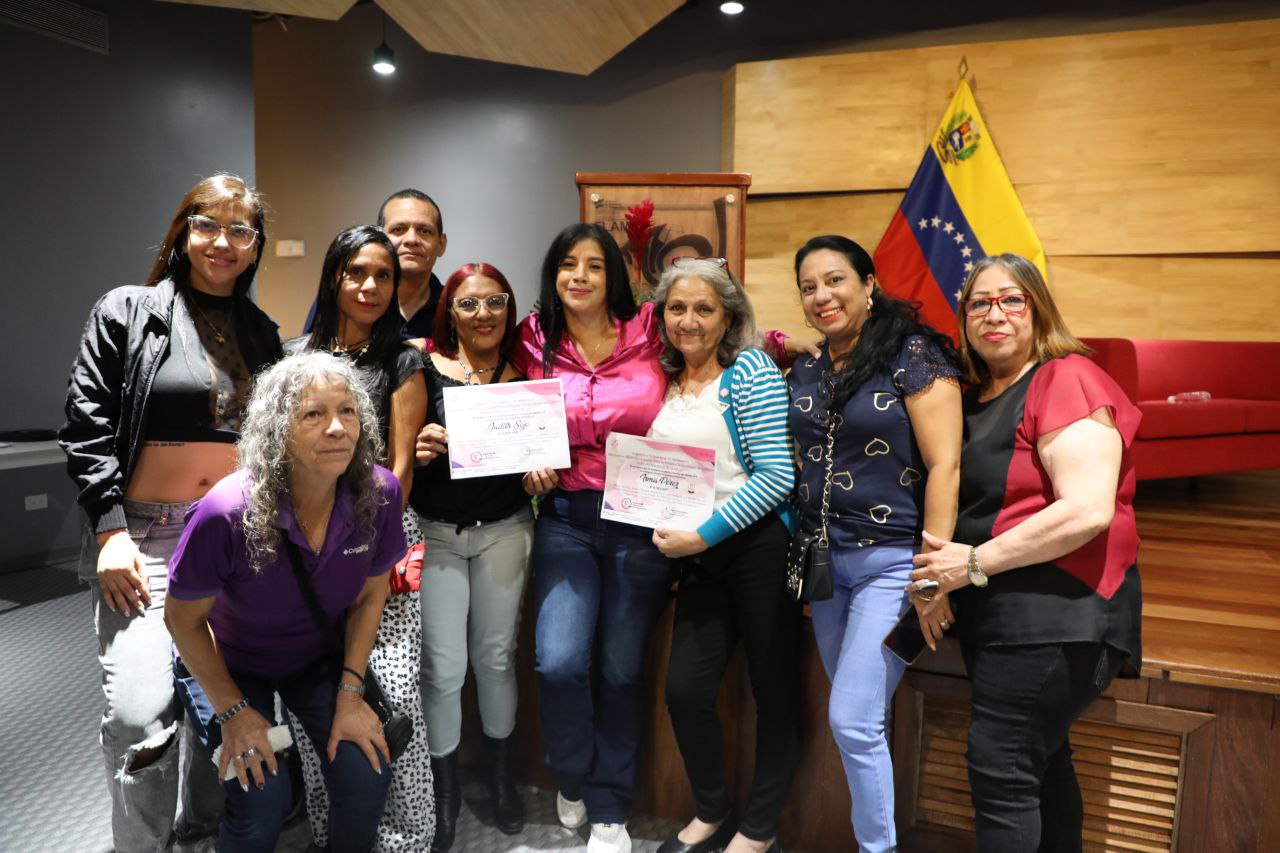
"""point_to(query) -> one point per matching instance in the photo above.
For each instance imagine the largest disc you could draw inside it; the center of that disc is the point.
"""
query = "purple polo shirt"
(260, 619)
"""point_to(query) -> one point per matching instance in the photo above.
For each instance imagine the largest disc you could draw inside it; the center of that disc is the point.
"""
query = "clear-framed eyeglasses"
(496, 303)
(239, 236)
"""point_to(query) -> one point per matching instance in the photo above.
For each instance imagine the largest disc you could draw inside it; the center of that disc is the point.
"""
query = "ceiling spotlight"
(732, 8)
(384, 58)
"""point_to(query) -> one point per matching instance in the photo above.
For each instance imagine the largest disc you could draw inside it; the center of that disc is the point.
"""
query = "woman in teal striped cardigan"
(724, 392)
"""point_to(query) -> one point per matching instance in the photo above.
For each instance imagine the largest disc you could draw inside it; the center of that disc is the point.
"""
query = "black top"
(202, 387)
(438, 497)
(1040, 603)
(877, 474)
(420, 325)
(378, 380)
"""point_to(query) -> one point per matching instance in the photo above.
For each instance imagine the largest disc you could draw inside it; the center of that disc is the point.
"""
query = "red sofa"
(1237, 430)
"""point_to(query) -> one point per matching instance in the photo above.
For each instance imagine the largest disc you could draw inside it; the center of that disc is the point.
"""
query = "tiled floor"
(53, 793)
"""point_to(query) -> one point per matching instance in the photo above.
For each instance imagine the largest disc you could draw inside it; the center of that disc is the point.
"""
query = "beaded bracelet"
(221, 719)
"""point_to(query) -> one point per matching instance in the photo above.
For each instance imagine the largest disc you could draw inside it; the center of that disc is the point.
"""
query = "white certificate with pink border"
(652, 483)
(506, 428)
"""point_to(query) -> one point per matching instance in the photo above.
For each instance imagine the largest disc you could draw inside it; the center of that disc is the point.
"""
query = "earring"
(870, 305)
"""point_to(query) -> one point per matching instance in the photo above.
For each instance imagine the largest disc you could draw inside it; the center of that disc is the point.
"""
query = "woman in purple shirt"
(241, 622)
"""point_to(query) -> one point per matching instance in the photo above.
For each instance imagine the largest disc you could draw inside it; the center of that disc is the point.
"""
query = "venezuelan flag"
(959, 208)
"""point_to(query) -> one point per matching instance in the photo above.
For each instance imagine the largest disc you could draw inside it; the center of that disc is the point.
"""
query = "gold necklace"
(218, 334)
(306, 529)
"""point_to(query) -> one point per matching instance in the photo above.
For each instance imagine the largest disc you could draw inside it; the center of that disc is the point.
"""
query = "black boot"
(448, 793)
(508, 810)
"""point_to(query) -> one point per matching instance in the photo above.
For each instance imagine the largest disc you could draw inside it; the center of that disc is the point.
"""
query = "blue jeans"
(870, 595)
(594, 582)
(253, 818)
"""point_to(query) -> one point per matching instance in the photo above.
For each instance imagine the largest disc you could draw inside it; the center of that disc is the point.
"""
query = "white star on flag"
(948, 228)
(959, 238)
(936, 222)
(923, 223)
(968, 267)
(966, 252)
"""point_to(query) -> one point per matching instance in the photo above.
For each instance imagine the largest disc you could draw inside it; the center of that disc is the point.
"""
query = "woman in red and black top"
(1042, 575)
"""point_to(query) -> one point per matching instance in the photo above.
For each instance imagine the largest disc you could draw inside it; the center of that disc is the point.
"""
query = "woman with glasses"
(876, 420)
(1042, 571)
(476, 535)
(732, 567)
(357, 319)
(154, 406)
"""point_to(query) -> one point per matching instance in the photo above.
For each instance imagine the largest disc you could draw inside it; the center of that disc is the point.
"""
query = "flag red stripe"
(905, 274)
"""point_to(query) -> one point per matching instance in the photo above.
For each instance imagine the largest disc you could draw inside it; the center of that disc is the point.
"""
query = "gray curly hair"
(742, 333)
(264, 442)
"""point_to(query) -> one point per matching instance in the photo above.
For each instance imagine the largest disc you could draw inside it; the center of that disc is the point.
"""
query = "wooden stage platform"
(1185, 758)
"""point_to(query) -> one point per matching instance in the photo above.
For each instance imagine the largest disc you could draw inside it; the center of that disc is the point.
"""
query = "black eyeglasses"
(496, 303)
(1013, 304)
(239, 236)
(685, 260)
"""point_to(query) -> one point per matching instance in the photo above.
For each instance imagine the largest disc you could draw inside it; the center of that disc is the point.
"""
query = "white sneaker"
(572, 813)
(609, 838)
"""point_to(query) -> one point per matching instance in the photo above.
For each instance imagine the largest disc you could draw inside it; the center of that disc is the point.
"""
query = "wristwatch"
(357, 689)
(977, 576)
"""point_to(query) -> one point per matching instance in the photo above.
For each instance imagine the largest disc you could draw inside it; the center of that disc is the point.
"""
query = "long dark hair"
(171, 259)
(618, 299)
(443, 333)
(889, 322)
(384, 337)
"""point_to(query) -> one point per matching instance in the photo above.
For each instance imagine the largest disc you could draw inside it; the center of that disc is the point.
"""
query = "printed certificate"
(506, 428)
(653, 483)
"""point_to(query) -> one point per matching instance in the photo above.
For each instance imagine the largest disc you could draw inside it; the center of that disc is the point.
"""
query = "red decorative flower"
(639, 221)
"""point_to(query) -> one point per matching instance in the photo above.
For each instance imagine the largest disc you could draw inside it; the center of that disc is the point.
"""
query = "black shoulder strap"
(309, 593)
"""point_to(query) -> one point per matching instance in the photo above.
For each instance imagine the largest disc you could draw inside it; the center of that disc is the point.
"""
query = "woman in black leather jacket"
(153, 409)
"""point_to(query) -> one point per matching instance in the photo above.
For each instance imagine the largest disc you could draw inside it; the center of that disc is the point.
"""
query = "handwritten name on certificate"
(506, 428)
(653, 483)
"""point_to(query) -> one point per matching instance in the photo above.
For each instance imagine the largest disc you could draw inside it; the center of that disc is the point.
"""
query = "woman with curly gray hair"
(309, 490)
(724, 392)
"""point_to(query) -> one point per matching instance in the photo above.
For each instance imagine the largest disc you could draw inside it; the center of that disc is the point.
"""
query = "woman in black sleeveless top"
(477, 533)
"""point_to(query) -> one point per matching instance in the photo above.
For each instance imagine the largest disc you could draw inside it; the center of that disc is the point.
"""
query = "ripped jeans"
(136, 653)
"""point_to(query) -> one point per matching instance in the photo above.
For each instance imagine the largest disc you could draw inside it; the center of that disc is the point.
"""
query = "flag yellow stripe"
(982, 188)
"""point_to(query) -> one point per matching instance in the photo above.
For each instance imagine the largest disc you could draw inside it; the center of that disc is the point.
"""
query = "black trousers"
(1025, 699)
(728, 593)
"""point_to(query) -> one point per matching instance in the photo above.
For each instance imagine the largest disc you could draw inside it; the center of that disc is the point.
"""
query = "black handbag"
(809, 556)
(397, 729)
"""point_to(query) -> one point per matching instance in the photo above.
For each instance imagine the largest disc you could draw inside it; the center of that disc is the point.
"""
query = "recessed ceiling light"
(732, 8)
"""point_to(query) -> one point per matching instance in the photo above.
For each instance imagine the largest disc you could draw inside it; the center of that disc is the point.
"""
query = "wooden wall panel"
(1226, 297)
(1142, 142)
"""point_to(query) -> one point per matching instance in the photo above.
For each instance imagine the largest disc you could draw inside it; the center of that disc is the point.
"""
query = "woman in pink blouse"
(593, 580)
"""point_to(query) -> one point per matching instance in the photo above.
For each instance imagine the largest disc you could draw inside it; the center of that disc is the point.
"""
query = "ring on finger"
(926, 598)
(945, 624)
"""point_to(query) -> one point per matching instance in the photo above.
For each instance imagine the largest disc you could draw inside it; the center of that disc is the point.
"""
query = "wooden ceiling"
(575, 36)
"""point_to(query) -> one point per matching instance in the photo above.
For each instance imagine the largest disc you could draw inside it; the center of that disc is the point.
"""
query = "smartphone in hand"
(906, 639)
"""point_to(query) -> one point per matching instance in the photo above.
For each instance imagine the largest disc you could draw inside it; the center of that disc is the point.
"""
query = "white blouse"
(698, 419)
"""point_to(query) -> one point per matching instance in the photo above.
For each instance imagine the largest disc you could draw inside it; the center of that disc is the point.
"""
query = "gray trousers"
(136, 653)
(472, 583)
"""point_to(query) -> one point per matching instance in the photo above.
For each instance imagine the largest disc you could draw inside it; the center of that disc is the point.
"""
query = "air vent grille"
(60, 19)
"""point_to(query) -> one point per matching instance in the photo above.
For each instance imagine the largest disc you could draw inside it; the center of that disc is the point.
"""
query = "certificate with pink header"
(506, 428)
(652, 483)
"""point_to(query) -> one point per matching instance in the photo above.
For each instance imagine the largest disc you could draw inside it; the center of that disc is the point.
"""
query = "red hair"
(443, 335)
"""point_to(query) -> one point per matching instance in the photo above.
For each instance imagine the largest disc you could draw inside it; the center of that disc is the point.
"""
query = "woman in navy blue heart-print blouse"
(892, 385)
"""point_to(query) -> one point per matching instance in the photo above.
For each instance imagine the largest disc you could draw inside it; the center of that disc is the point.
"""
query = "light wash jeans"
(136, 653)
(472, 584)
(870, 595)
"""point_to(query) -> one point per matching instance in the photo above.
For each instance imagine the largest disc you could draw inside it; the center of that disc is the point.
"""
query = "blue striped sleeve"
(758, 396)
